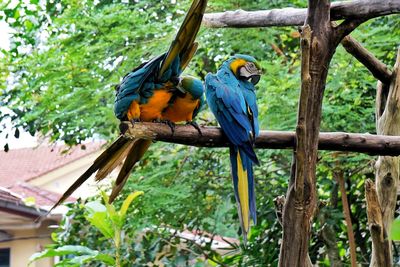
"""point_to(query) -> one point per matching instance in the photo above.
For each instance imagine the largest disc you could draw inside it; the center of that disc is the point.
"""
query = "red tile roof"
(9, 196)
(41, 196)
(28, 163)
(14, 204)
(19, 166)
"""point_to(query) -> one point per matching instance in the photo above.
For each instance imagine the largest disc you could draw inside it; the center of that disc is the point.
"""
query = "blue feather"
(233, 103)
(140, 84)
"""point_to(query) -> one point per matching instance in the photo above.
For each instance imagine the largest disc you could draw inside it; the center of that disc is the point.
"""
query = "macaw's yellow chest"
(154, 107)
(182, 109)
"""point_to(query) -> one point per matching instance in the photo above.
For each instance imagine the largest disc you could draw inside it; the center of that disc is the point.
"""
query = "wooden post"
(319, 40)
(301, 197)
(387, 168)
(381, 255)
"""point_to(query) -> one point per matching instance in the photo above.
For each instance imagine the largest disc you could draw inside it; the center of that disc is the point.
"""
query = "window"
(4, 257)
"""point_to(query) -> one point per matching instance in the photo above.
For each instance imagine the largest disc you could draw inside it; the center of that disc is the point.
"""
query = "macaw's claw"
(133, 121)
(171, 125)
(167, 122)
(196, 126)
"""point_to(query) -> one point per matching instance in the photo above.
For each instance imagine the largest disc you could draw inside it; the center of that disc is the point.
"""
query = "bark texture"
(328, 232)
(387, 168)
(364, 9)
(339, 176)
(319, 40)
(214, 137)
(381, 256)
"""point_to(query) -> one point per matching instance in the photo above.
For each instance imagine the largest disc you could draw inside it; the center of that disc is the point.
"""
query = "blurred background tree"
(58, 79)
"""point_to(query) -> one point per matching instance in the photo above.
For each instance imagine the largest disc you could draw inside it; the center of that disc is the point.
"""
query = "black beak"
(253, 75)
(254, 79)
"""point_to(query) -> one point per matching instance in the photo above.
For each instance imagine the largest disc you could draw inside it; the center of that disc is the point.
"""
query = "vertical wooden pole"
(387, 168)
(318, 47)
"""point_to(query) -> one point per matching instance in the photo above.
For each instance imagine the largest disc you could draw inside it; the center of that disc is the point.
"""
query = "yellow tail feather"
(137, 151)
(243, 190)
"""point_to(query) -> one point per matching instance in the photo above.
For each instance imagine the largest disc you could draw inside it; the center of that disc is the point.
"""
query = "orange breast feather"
(181, 110)
(157, 103)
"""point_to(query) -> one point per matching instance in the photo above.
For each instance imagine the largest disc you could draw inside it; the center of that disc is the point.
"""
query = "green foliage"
(395, 232)
(105, 219)
(61, 85)
(82, 255)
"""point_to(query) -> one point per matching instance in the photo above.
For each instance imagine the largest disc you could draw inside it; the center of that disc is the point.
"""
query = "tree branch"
(359, 9)
(301, 129)
(346, 27)
(380, 243)
(214, 137)
(339, 176)
(374, 65)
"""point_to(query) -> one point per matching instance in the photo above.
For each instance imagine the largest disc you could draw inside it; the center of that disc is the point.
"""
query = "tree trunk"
(387, 168)
(317, 51)
(319, 40)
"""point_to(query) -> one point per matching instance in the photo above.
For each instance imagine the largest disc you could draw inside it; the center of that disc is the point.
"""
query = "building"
(31, 181)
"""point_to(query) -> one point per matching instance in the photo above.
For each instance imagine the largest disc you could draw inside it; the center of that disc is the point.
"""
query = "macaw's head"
(191, 85)
(245, 68)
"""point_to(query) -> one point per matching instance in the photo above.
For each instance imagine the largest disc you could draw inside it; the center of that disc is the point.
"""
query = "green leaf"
(81, 260)
(111, 212)
(395, 231)
(62, 251)
(127, 202)
(107, 259)
(81, 255)
(97, 216)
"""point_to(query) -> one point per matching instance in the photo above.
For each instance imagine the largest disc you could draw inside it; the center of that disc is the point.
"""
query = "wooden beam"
(359, 9)
(214, 137)
(374, 65)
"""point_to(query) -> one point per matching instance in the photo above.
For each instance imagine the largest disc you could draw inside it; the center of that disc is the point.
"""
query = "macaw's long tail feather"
(243, 182)
(251, 155)
(99, 163)
(139, 147)
(184, 40)
(114, 160)
(187, 56)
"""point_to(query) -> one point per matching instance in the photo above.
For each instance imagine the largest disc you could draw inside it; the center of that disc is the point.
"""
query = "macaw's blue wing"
(136, 85)
(229, 103)
(183, 44)
(251, 101)
(230, 109)
(199, 107)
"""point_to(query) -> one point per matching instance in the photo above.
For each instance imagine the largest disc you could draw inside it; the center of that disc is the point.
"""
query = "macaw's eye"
(251, 67)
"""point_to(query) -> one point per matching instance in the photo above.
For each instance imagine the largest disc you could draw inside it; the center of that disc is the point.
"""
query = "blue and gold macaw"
(154, 91)
(231, 97)
(186, 106)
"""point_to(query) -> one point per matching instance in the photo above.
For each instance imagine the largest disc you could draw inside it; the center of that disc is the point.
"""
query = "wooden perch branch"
(380, 243)
(374, 65)
(346, 27)
(359, 9)
(214, 137)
